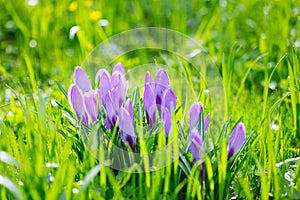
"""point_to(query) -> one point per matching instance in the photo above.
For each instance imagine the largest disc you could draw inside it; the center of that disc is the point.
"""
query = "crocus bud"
(236, 140)
(148, 80)
(119, 67)
(169, 99)
(110, 110)
(167, 120)
(76, 100)
(149, 105)
(127, 128)
(104, 81)
(162, 82)
(129, 108)
(194, 114)
(90, 103)
(196, 145)
(81, 80)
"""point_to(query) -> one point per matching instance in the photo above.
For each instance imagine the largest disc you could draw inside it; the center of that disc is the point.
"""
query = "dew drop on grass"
(75, 191)
(50, 177)
(32, 2)
(274, 126)
(272, 85)
(103, 22)
(20, 183)
(32, 43)
(51, 165)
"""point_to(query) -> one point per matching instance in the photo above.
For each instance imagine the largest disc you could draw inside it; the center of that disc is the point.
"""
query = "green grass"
(253, 43)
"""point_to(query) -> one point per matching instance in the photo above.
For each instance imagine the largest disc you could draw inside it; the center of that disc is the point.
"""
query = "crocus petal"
(126, 127)
(162, 82)
(169, 99)
(148, 79)
(99, 99)
(149, 105)
(104, 83)
(236, 140)
(76, 101)
(110, 111)
(129, 108)
(116, 78)
(194, 114)
(81, 80)
(167, 120)
(162, 78)
(90, 103)
(120, 92)
(119, 67)
(206, 123)
(196, 146)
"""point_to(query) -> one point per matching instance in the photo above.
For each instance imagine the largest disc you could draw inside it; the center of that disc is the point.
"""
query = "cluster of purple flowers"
(159, 96)
(159, 100)
(197, 150)
(111, 94)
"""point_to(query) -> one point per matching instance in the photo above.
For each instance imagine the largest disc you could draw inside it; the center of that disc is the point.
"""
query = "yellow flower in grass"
(95, 15)
(73, 6)
(88, 3)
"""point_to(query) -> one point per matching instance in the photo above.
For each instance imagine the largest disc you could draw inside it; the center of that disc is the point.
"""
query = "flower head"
(162, 83)
(113, 91)
(126, 125)
(194, 117)
(149, 105)
(83, 98)
(236, 140)
(196, 146)
(159, 95)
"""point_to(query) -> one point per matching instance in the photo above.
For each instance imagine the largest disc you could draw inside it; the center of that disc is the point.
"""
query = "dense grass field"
(254, 44)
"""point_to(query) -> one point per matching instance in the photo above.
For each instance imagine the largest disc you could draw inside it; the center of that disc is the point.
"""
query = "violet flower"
(196, 146)
(194, 117)
(162, 83)
(149, 100)
(113, 90)
(236, 140)
(159, 95)
(126, 126)
(76, 101)
(83, 98)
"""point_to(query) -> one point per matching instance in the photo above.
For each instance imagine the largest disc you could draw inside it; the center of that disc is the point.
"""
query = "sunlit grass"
(254, 44)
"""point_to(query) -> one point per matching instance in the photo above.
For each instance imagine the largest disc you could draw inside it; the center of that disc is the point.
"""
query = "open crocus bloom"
(236, 140)
(159, 95)
(83, 98)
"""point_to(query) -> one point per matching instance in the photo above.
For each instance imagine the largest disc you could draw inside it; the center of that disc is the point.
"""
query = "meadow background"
(255, 45)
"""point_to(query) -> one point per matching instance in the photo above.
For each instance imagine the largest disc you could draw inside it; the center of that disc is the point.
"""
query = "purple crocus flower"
(160, 96)
(82, 80)
(236, 140)
(149, 105)
(167, 120)
(196, 146)
(126, 125)
(113, 90)
(76, 101)
(90, 103)
(162, 83)
(194, 116)
(83, 98)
